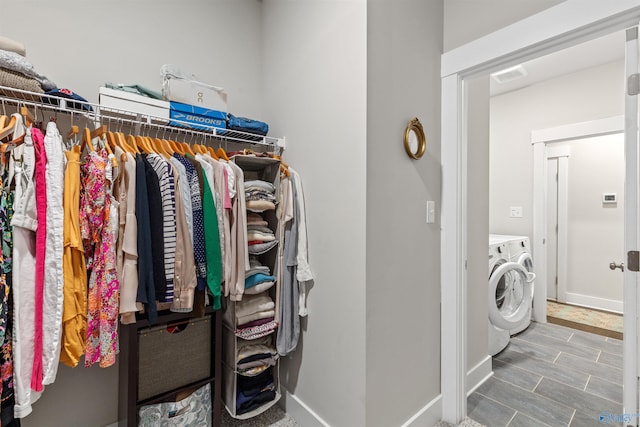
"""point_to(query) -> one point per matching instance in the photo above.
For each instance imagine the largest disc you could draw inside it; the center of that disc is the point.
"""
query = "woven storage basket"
(171, 360)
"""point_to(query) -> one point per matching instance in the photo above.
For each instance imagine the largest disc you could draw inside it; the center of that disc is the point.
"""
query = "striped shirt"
(167, 192)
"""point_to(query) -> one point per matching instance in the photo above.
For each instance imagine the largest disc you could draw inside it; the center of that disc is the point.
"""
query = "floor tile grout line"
(537, 374)
(588, 392)
(512, 417)
(556, 358)
(573, 345)
(572, 416)
(587, 384)
(516, 411)
(537, 384)
(536, 394)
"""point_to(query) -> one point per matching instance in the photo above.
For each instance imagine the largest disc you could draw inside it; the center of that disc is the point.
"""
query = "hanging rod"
(100, 113)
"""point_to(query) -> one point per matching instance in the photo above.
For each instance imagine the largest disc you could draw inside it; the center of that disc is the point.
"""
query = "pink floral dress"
(99, 246)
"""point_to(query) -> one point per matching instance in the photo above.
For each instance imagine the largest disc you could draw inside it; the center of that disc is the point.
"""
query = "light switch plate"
(431, 211)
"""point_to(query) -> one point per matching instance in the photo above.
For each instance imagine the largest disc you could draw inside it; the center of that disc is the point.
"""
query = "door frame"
(544, 147)
(565, 25)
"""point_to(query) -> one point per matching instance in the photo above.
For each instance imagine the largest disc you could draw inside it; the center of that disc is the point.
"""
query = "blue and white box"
(195, 117)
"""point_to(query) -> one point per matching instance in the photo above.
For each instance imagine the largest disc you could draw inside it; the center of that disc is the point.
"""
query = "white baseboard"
(427, 416)
(594, 302)
(479, 374)
(298, 410)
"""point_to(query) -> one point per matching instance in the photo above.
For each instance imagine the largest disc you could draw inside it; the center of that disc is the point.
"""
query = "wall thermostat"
(609, 198)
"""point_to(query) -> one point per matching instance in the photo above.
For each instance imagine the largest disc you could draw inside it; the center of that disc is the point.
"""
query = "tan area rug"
(586, 319)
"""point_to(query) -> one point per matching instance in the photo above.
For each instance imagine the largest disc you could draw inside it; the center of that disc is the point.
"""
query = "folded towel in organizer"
(257, 223)
(262, 247)
(255, 316)
(15, 62)
(15, 80)
(253, 235)
(258, 269)
(253, 217)
(258, 184)
(257, 279)
(260, 287)
(253, 304)
(260, 205)
(256, 332)
(259, 228)
(12, 46)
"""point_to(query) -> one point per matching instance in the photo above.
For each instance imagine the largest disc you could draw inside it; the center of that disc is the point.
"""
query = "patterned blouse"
(99, 245)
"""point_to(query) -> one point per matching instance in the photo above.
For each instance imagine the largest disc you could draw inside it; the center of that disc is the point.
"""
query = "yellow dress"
(74, 316)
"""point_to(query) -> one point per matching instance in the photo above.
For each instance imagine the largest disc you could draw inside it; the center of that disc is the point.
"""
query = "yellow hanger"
(8, 129)
(222, 154)
(167, 147)
(187, 149)
(160, 148)
(140, 142)
(73, 132)
(86, 140)
(176, 147)
(212, 153)
(3, 121)
(131, 140)
(28, 117)
(111, 137)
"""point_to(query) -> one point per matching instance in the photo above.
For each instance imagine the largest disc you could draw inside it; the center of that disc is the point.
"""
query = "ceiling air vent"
(509, 74)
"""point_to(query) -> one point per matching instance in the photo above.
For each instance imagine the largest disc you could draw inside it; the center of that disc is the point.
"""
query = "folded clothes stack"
(260, 195)
(254, 361)
(260, 237)
(255, 315)
(258, 278)
(17, 72)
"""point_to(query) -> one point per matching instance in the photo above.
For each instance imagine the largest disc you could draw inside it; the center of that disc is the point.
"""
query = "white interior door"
(631, 241)
(552, 228)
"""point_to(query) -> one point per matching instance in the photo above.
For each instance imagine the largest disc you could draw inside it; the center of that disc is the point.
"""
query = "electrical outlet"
(515, 211)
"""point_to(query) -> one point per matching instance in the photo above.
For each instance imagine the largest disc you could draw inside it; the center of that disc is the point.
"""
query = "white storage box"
(195, 93)
(121, 100)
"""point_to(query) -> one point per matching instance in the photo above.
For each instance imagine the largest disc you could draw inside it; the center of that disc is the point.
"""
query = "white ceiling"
(600, 51)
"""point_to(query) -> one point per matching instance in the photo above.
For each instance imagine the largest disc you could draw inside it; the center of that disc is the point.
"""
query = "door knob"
(613, 266)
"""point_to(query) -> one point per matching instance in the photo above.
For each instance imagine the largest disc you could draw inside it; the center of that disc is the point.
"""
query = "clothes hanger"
(222, 154)
(141, 143)
(8, 129)
(73, 132)
(86, 140)
(131, 141)
(212, 152)
(160, 147)
(176, 147)
(111, 137)
(3, 121)
(28, 117)
(167, 147)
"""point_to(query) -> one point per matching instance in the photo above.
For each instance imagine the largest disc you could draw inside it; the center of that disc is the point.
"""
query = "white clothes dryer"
(510, 295)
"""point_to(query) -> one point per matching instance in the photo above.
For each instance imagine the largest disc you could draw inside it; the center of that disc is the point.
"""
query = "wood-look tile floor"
(551, 375)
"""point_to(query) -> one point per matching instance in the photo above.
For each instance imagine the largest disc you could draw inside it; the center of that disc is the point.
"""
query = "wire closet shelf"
(141, 123)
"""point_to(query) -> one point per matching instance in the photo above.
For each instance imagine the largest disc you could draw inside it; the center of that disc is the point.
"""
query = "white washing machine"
(510, 292)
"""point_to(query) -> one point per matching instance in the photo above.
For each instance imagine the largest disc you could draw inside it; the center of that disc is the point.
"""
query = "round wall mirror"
(415, 142)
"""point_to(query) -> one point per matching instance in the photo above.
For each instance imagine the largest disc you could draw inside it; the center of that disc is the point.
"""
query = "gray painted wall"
(314, 79)
(403, 252)
(567, 99)
(467, 20)
(477, 221)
